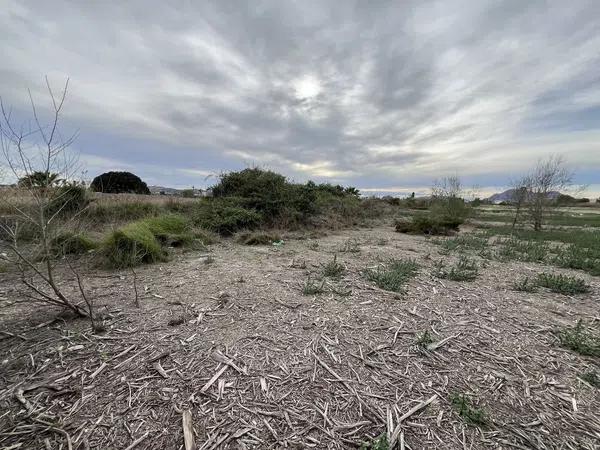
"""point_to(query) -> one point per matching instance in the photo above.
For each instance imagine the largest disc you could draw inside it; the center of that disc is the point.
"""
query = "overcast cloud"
(374, 94)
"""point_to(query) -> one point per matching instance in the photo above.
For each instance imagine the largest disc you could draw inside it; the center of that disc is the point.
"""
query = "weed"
(563, 284)
(382, 242)
(525, 285)
(312, 287)
(379, 443)
(313, 245)
(513, 249)
(424, 339)
(333, 269)
(591, 377)
(580, 340)
(463, 242)
(69, 243)
(394, 275)
(462, 405)
(350, 246)
(257, 238)
(465, 269)
(574, 257)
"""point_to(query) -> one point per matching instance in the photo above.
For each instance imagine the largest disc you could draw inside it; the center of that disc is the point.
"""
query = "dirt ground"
(232, 339)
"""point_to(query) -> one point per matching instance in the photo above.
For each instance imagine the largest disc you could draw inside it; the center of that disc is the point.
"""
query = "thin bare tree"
(38, 155)
(536, 190)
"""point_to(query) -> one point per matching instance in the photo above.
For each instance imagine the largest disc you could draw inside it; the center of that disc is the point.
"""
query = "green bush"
(225, 216)
(69, 243)
(427, 224)
(563, 284)
(133, 245)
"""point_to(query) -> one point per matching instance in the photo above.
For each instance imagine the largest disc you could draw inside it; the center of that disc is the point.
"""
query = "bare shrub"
(44, 201)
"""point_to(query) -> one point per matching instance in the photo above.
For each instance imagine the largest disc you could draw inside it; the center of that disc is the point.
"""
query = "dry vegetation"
(319, 339)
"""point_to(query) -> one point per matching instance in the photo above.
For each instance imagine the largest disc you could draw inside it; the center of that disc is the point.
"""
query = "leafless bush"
(38, 156)
(535, 189)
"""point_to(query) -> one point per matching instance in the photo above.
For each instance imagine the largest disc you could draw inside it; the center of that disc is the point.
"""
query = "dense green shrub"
(225, 216)
(119, 183)
(428, 224)
(281, 202)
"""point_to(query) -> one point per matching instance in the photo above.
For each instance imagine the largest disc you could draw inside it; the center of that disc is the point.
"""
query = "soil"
(228, 337)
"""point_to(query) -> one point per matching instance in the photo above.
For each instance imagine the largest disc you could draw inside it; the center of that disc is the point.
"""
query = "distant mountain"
(157, 190)
(508, 195)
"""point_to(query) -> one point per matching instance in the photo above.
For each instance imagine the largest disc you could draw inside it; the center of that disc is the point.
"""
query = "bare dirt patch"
(232, 339)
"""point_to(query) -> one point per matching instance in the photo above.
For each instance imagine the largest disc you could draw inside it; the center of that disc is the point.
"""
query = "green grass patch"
(477, 242)
(465, 269)
(514, 249)
(394, 275)
(580, 340)
(132, 245)
(563, 284)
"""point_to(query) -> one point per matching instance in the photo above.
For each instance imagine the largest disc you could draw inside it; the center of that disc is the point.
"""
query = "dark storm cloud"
(370, 93)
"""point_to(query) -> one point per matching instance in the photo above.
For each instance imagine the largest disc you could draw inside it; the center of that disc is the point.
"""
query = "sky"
(381, 95)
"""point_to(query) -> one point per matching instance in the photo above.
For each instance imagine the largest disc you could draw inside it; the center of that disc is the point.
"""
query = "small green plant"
(424, 339)
(394, 275)
(591, 377)
(333, 269)
(257, 238)
(563, 284)
(350, 246)
(525, 285)
(580, 340)
(312, 287)
(463, 242)
(465, 269)
(379, 443)
(514, 249)
(68, 243)
(463, 407)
